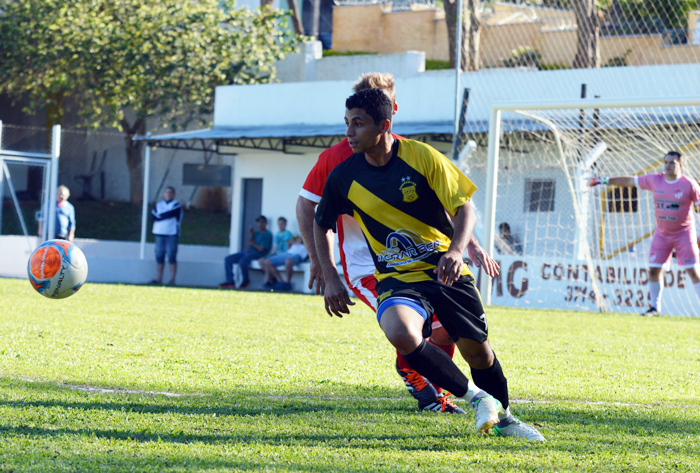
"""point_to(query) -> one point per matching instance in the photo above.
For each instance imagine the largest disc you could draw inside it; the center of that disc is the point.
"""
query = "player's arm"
(449, 267)
(620, 181)
(306, 210)
(335, 294)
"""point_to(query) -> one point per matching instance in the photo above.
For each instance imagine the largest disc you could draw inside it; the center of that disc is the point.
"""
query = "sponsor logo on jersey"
(383, 296)
(405, 247)
(408, 189)
(678, 194)
(667, 204)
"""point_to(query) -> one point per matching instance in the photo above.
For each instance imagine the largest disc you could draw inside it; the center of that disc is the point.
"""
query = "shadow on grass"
(613, 425)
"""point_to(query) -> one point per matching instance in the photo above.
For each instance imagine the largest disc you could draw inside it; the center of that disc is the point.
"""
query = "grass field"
(209, 380)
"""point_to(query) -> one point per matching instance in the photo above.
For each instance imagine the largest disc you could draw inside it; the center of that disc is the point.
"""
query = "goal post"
(597, 239)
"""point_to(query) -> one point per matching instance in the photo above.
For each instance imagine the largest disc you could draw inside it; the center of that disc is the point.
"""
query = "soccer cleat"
(442, 404)
(227, 285)
(514, 427)
(419, 387)
(268, 285)
(486, 408)
(283, 286)
(652, 312)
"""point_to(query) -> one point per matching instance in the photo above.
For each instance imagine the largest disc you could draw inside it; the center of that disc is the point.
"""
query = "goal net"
(561, 243)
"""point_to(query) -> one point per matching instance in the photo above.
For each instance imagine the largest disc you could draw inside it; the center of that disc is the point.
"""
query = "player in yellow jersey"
(398, 190)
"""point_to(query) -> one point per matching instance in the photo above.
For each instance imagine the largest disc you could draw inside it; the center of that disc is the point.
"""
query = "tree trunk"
(451, 20)
(588, 31)
(474, 36)
(134, 159)
(296, 17)
(266, 3)
(471, 34)
(315, 18)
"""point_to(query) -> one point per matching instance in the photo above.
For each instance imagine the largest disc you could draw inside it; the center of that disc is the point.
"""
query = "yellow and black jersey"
(400, 207)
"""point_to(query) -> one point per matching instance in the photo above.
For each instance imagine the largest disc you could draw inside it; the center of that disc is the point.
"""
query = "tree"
(587, 33)
(127, 62)
(471, 33)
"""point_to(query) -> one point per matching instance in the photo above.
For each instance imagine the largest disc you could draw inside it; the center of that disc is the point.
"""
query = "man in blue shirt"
(64, 228)
(259, 244)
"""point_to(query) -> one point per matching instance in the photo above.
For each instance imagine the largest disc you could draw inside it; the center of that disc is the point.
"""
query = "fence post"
(53, 180)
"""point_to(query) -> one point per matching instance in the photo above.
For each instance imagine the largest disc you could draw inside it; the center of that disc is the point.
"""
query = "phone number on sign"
(626, 297)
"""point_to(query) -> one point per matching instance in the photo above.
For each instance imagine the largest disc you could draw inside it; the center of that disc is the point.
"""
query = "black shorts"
(457, 307)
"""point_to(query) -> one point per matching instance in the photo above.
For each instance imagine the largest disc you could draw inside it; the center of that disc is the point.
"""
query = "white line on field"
(99, 390)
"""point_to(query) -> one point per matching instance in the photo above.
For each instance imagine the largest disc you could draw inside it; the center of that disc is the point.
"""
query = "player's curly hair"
(377, 80)
(373, 101)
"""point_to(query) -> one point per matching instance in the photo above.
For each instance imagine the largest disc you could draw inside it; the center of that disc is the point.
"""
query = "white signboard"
(560, 283)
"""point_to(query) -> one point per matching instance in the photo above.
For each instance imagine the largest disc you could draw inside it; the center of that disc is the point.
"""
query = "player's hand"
(336, 298)
(483, 260)
(449, 267)
(594, 181)
(316, 276)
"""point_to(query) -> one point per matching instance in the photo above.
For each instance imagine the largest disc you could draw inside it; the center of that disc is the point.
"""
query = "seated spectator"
(295, 254)
(506, 244)
(282, 237)
(259, 244)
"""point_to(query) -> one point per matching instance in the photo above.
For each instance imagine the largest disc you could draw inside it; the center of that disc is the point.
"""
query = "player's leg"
(244, 263)
(403, 322)
(418, 386)
(172, 257)
(659, 256)
(229, 261)
(160, 259)
(460, 309)
(687, 256)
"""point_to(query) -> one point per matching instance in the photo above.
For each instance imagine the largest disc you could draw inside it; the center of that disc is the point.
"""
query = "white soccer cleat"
(486, 409)
(513, 427)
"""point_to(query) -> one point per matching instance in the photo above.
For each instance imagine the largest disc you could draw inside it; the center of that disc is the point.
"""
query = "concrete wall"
(308, 65)
(552, 32)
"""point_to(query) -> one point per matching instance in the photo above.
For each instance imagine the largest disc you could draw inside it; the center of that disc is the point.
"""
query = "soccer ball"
(57, 269)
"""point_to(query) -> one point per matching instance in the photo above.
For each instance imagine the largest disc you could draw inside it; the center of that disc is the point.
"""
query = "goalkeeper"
(675, 195)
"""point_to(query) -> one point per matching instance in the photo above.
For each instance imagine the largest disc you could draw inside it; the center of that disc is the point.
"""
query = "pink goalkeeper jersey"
(673, 201)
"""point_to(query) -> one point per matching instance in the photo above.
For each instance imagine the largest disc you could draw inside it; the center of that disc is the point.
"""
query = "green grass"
(269, 382)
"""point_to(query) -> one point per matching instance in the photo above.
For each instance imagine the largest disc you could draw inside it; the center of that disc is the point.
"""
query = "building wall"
(552, 32)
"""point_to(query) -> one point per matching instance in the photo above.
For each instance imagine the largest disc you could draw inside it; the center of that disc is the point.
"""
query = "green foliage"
(333, 52)
(151, 57)
(524, 56)
(435, 64)
(618, 61)
(269, 382)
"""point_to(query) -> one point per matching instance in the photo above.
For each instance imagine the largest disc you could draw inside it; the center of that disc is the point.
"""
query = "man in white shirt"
(166, 216)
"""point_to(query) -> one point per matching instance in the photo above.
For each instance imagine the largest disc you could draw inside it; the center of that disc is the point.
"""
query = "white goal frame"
(522, 108)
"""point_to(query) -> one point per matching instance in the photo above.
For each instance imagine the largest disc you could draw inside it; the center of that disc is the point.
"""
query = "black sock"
(493, 381)
(436, 365)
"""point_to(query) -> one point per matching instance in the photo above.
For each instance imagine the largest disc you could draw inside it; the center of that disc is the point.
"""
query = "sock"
(655, 289)
(505, 414)
(429, 361)
(696, 286)
(450, 350)
(493, 381)
(401, 362)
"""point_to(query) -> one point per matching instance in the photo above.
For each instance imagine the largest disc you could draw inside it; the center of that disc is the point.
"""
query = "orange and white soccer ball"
(57, 269)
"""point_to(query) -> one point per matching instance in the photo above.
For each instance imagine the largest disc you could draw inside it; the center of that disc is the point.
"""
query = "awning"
(279, 137)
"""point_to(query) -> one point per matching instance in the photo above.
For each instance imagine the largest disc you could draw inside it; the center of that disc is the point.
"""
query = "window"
(539, 196)
(621, 199)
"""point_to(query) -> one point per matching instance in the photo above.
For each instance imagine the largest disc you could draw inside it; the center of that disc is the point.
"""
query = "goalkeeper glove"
(598, 180)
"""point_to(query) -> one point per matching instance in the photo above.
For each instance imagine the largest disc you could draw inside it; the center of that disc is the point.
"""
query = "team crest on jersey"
(408, 189)
(678, 194)
(405, 247)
